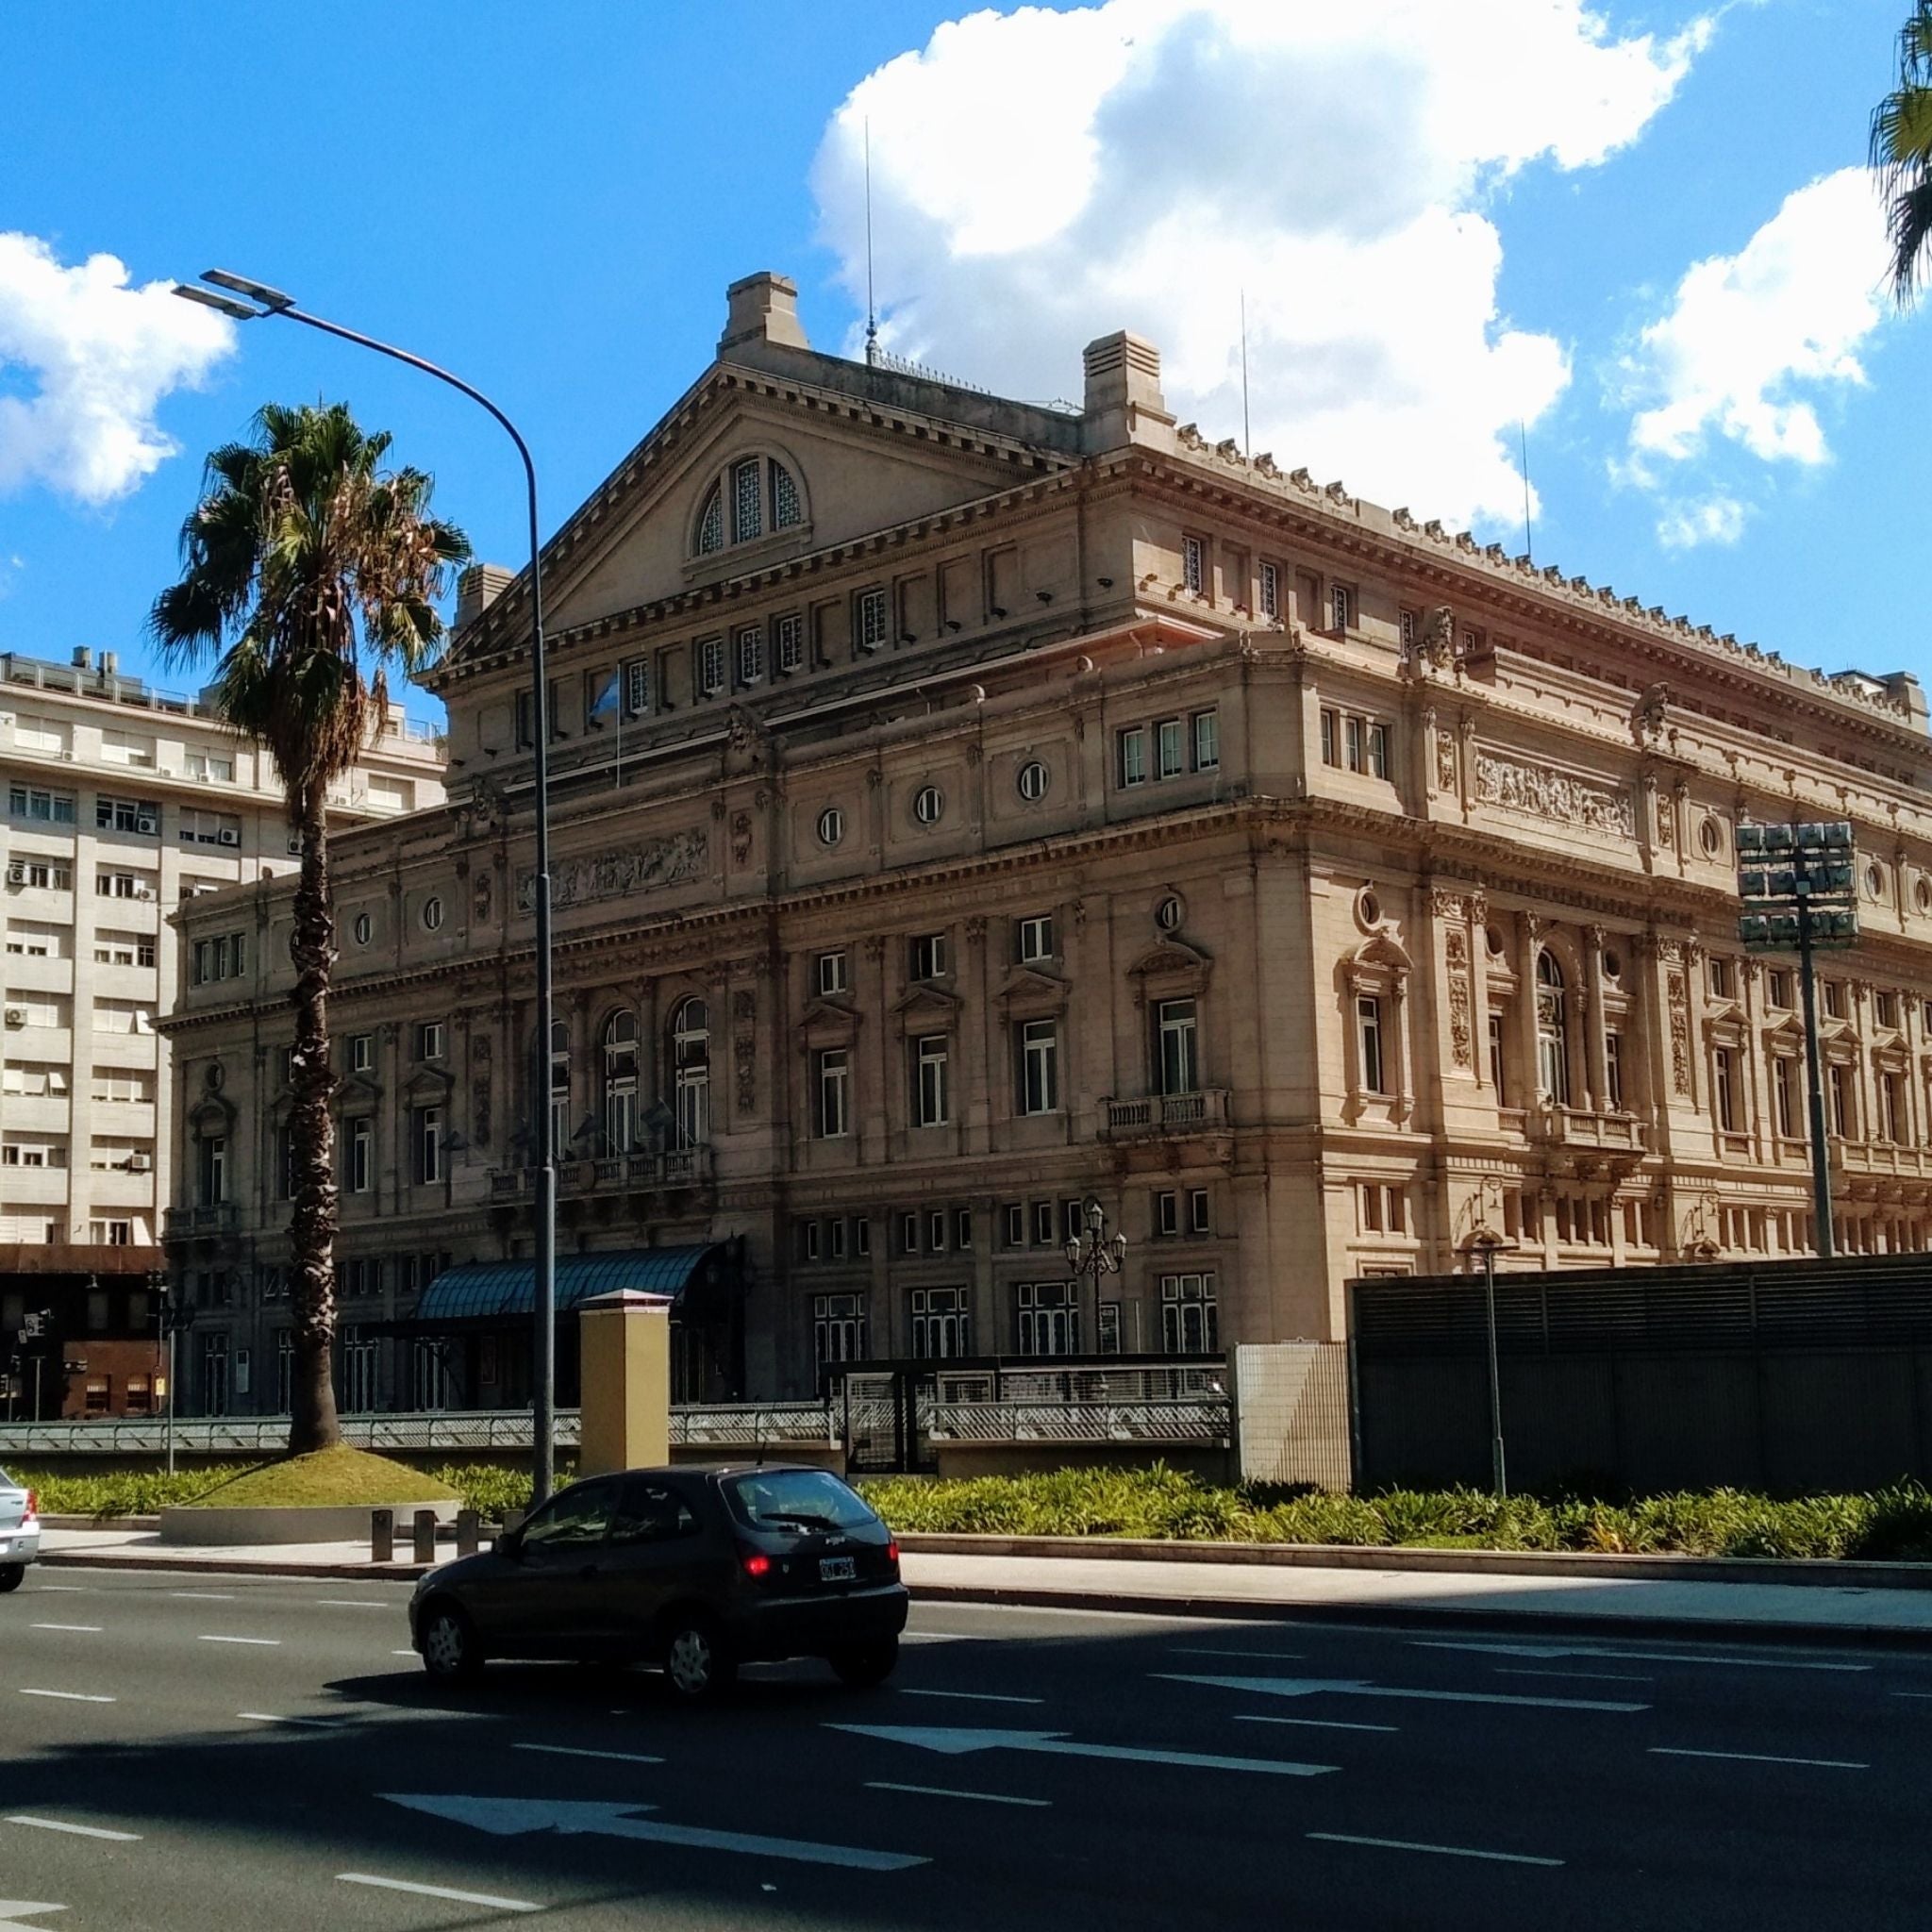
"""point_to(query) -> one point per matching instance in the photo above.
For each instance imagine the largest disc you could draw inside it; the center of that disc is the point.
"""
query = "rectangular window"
(1047, 1318)
(553, 703)
(831, 972)
(1891, 1097)
(118, 948)
(931, 1066)
(1368, 1033)
(361, 1052)
(1188, 1314)
(928, 957)
(909, 1232)
(1193, 565)
(787, 642)
(1177, 1055)
(868, 619)
(193, 826)
(141, 816)
(1132, 756)
(751, 655)
(1838, 1091)
(936, 1231)
(1834, 992)
(1885, 1007)
(211, 1169)
(1168, 739)
(284, 1156)
(941, 1325)
(426, 1139)
(1206, 740)
(1369, 1207)
(1339, 606)
(430, 1042)
(962, 1229)
(1724, 1093)
(1043, 1223)
(748, 500)
(838, 1328)
(1013, 1224)
(1270, 590)
(1167, 1213)
(121, 885)
(1040, 1066)
(637, 686)
(40, 805)
(808, 1240)
(1035, 939)
(707, 666)
(206, 767)
(1072, 1221)
(1330, 755)
(1378, 751)
(1197, 1211)
(835, 1232)
(1784, 1095)
(1613, 1071)
(41, 876)
(833, 1082)
(1720, 981)
(526, 720)
(1351, 743)
(1777, 989)
(1408, 626)
(861, 1235)
(358, 1150)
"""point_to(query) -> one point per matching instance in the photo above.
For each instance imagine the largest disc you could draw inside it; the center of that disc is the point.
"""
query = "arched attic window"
(756, 496)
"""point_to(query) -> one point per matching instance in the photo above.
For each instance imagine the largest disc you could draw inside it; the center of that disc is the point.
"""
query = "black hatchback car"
(698, 1569)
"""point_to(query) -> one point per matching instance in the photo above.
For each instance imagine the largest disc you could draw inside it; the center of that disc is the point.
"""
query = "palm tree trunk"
(312, 1422)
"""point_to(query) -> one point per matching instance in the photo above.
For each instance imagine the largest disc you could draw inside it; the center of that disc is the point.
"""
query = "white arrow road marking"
(1637, 1657)
(1346, 1687)
(14, 1912)
(462, 1898)
(955, 1743)
(119, 1837)
(515, 1816)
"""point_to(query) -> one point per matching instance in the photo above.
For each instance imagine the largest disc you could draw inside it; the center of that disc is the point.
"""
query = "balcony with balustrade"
(1203, 1110)
(607, 1175)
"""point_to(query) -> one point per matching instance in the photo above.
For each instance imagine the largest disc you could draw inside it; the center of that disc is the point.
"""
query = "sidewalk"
(1550, 1606)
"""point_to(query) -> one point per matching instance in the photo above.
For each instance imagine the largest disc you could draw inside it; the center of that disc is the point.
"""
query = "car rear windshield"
(796, 1499)
(6, 1482)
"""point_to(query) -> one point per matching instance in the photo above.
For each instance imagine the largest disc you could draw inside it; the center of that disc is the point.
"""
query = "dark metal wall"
(1784, 1376)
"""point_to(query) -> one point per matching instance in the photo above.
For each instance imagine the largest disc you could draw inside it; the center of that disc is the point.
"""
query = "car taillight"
(32, 1509)
(893, 1553)
(758, 1565)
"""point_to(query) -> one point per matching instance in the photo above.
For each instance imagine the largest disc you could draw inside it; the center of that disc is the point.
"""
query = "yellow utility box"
(624, 1341)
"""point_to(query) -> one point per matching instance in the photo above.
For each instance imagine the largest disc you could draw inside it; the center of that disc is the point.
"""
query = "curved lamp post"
(1096, 1256)
(252, 301)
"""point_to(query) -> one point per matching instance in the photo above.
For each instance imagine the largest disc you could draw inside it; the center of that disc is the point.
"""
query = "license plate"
(837, 1570)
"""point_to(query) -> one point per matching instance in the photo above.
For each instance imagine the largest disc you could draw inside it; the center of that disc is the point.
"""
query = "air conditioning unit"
(147, 823)
(16, 1016)
(143, 891)
(140, 1163)
(229, 835)
(16, 873)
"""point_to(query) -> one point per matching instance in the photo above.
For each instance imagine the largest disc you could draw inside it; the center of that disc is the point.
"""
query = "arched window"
(691, 1066)
(711, 522)
(621, 1081)
(756, 495)
(1552, 1031)
(559, 1088)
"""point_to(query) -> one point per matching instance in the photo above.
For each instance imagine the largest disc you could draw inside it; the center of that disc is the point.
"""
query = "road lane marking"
(577, 1751)
(1913, 1694)
(1578, 1676)
(351, 1602)
(263, 1643)
(268, 1717)
(65, 1589)
(1315, 1723)
(1759, 1757)
(402, 1653)
(1204, 1650)
(202, 1596)
(971, 1696)
(89, 1629)
(69, 1696)
(1632, 1657)
(120, 1837)
(462, 1898)
(1403, 1844)
(1351, 1687)
(977, 1797)
(953, 1743)
(948, 1637)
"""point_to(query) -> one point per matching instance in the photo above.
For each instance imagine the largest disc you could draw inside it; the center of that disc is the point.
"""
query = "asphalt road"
(215, 1754)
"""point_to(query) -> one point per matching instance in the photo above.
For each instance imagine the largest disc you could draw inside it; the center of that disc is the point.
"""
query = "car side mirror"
(510, 1545)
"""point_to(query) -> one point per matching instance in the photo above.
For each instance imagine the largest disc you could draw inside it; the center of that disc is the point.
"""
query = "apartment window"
(1013, 1224)
(1367, 1035)
(1837, 1082)
(1132, 755)
(1725, 1088)
(1378, 751)
(38, 942)
(1330, 724)
(429, 1040)
(224, 957)
(1206, 740)
(1351, 743)
(637, 686)
(425, 1136)
(832, 1078)
(869, 627)
(41, 876)
(787, 642)
(283, 1154)
(1891, 1100)
(861, 1235)
(111, 1233)
(121, 885)
(113, 1086)
(211, 1169)
(831, 972)
(1177, 1043)
(111, 1016)
(358, 1150)
(1834, 992)
(1340, 605)
(751, 655)
(526, 720)
(1784, 1095)
(1777, 989)
(554, 704)
(1613, 1071)
(909, 1232)
(120, 949)
(931, 1065)
(361, 1052)
(838, 1328)
(1168, 744)
(1722, 980)
(1167, 1211)
(201, 764)
(1270, 590)
(32, 1154)
(141, 816)
(1188, 1314)
(1040, 1066)
(1043, 1223)
(834, 1233)
(707, 669)
(1047, 1318)
(962, 1229)
(940, 1324)
(1197, 1212)
(928, 957)
(1193, 565)
(1072, 1221)
(1885, 1009)
(808, 1240)
(936, 1231)
(39, 804)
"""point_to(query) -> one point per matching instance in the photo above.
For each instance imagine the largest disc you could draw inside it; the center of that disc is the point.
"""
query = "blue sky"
(1443, 218)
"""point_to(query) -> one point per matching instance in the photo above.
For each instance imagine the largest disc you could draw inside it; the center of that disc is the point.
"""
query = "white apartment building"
(120, 802)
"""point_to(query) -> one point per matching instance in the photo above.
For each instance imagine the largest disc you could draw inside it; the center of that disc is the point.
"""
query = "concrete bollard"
(468, 1526)
(382, 1535)
(512, 1519)
(426, 1536)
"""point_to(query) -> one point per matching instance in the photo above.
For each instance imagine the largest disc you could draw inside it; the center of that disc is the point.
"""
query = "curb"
(233, 1566)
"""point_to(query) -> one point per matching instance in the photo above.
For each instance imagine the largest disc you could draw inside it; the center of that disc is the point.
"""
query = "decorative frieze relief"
(1455, 950)
(1680, 1034)
(745, 1050)
(643, 867)
(1445, 761)
(1547, 794)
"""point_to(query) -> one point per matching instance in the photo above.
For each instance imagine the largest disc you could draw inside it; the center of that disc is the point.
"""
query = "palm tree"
(1902, 154)
(305, 560)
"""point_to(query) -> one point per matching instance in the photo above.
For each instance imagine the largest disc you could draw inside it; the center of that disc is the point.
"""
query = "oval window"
(1922, 895)
(929, 805)
(1710, 838)
(1170, 912)
(1371, 909)
(1032, 781)
(1874, 882)
(1613, 966)
(1492, 939)
(432, 913)
(831, 825)
(365, 928)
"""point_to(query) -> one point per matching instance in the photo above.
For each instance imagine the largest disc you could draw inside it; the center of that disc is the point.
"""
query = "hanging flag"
(604, 704)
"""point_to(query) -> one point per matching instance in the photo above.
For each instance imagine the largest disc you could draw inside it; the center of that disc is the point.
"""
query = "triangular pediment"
(825, 1020)
(926, 1006)
(1170, 958)
(428, 1083)
(1028, 989)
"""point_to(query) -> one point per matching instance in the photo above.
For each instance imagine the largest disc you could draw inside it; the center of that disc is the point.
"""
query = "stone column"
(624, 1366)
(1596, 1035)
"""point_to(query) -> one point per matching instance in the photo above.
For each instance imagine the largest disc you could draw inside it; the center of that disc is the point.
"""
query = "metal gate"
(887, 1421)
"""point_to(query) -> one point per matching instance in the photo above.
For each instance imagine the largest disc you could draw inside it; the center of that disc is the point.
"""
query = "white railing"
(1200, 1419)
(750, 1424)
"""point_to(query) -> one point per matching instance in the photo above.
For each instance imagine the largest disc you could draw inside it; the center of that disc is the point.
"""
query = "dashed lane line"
(1581, 1676)
(977, 1797)
(1315, 1723)
(1215, 1650)
(578, 1750)
(972, 1696)
(351, 1602)
(83, 1629)
(1403, 1844)
(120, 1837)
(1759, 1757)
(69, 1696)
(260, 1643)
(462, 1898)
(270, 1717)
(202, 1596)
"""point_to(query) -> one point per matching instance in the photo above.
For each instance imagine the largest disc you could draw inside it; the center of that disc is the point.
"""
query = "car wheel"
(866, 1664)
(450, 1652)
(12, 1576)
(696, 1664)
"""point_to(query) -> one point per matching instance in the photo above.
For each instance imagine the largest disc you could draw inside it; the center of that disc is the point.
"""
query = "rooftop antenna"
(1247, 448)
(871, 320)
(1523, 443)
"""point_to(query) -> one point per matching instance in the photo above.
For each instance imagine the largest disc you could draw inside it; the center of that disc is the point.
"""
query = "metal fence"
(268, 1435)
(1207, 1419)
(752, 1425)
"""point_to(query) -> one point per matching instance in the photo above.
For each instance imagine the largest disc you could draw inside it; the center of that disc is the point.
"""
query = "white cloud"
(1716, 520)
(1040, 178)
(1750, 334)
(85, 361)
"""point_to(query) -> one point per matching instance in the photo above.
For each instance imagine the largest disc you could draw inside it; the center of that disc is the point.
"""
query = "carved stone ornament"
(1543, 793)
(1680, 1035)
(479, 1120)
(1438, 638)
(741, 837)
(1445, 761)
(481, 897)
(1648, 715)
(641, 867)
(1461, 1042)
(744, 1005)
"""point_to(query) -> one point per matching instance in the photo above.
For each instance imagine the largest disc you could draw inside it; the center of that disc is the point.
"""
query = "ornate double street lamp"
(1798, 885)
(257, 300)
(1097, 1256)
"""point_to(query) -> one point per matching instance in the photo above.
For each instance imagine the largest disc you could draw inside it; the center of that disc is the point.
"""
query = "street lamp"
(170, 1316)
(1798, 885)
(1097, 1257)
(1483, 1240)
(259, 300)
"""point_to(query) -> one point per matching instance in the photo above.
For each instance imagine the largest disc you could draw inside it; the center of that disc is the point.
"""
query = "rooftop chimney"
(1122, 402)
(762, 309)
(478, 589)
(83, 658)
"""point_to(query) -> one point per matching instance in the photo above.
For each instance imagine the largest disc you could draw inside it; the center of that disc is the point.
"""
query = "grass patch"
(336, 1478)
(482, 1487)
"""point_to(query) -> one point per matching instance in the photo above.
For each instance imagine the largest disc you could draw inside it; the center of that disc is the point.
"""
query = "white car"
(20, 1532)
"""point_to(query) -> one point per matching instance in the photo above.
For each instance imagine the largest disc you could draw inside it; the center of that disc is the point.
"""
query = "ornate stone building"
(964, 807)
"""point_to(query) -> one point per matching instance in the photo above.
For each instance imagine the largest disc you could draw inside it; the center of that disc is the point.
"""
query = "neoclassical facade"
(963, 808)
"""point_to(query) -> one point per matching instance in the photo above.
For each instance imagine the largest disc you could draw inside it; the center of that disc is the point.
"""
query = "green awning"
(483, 1290)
